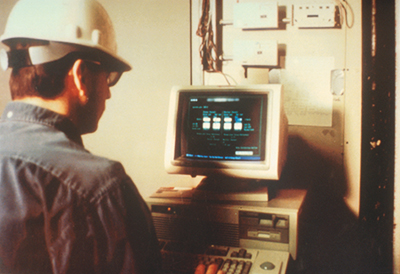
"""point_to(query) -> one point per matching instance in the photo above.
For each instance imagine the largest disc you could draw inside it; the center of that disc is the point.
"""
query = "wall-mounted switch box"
(314, 16)
(256, 53)
(255, 15)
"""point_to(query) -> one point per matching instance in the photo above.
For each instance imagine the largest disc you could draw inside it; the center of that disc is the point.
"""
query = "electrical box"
(314, 16)
(255, 15)
(256, 53)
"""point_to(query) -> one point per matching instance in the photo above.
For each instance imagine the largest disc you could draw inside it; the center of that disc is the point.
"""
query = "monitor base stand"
(230, 189)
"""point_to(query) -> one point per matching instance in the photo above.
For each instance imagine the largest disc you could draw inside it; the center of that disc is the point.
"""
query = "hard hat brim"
(49, 51)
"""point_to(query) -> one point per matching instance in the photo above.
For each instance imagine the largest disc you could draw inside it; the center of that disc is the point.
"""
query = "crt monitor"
(227, 131)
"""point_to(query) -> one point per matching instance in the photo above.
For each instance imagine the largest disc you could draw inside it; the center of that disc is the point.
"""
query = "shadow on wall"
(331, 239)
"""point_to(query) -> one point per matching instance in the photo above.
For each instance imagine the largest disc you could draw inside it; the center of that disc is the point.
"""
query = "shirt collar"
(20, 111)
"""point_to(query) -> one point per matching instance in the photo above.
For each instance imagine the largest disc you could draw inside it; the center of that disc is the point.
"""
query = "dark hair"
(44, 80)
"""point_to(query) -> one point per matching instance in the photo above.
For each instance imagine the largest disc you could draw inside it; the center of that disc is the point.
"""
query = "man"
(62, 209)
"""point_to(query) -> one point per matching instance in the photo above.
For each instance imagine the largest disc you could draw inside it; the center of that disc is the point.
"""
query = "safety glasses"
(112, 76)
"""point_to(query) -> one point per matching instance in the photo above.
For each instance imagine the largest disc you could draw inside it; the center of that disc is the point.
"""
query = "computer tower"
(191, 226)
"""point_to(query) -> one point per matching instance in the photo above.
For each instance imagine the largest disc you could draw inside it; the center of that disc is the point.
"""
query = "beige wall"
(153, 37)
(339, 142)
(5, 7)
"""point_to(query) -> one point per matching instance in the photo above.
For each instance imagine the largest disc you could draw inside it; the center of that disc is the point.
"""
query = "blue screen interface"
(223, 127)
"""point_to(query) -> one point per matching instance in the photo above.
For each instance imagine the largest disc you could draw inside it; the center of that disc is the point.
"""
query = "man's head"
(63, 57)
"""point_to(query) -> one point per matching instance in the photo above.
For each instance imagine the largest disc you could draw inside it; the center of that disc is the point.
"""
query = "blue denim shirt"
(62, 209)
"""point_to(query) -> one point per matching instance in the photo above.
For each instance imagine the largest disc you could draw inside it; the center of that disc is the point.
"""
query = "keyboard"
(229, 266)
(232, 260)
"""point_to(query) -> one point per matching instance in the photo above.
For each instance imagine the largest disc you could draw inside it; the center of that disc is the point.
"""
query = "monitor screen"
(221, 127)
(233, 130)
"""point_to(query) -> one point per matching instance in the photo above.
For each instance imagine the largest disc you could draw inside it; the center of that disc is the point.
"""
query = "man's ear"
(78, 74)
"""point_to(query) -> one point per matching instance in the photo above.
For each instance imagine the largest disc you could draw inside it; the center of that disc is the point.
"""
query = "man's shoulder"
(76, 168)
(84, 172)
(35, 145)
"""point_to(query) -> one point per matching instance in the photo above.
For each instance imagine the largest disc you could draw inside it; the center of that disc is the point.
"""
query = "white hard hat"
(69, 25)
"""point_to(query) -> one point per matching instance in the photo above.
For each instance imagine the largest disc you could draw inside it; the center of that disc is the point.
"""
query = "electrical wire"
(208, 49)
(345, 10)
(205, 31)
